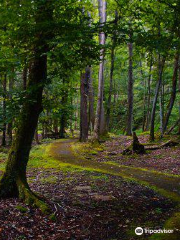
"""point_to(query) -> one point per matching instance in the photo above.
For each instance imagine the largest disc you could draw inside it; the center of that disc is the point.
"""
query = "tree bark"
(91, 101)
(173, 93)
(158, 85)
(84, 124)
(14, 181)
(63, 118)
(161, 110)
(149, 97)
(102, 41)
(10, 124)
(111, 74)
(179, 92)
(4, 109)
(25, 70)
(130, 92)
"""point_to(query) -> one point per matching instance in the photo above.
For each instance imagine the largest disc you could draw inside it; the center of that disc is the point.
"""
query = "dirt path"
(167, 185)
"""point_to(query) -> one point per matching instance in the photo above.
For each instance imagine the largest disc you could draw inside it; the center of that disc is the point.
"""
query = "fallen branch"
(172, 128)
(170, 143)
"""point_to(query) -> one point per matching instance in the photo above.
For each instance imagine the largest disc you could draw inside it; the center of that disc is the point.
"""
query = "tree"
(130, 91)
(173, 92)
(99, 119)
(14, 181)
(84, 88)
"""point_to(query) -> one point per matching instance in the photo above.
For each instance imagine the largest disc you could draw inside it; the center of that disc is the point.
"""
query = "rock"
(104, 198)
(83, 188)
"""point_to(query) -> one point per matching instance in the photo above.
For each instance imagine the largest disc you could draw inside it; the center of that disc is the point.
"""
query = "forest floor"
(96, 193)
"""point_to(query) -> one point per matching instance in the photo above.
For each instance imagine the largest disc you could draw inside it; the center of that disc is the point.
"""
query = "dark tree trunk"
(19, 154)
(4, 109)
(56, 126)
(173, 93)
(91, 102)
(24, 76)
(14, 180)
(130, 92)
(159, 82)
(63, 118)
(84, 124)
(161, 110)
(10, 124)
(179, 93)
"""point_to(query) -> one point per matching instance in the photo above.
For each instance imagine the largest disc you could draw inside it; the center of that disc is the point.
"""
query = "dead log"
(169, 143)
(135, 147)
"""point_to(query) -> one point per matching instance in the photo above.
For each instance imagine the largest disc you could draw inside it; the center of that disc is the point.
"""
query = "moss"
(103, 177)
(172, 223)
(52, 217)
(22, 209)
(49, 179)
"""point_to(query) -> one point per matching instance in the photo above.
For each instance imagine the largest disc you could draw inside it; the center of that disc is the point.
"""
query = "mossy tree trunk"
(14, 182)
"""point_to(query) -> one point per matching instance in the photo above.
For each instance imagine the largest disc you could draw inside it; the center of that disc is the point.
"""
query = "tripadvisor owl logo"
(139, 231)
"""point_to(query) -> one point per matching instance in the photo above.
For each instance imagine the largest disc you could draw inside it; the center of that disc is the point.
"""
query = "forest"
(90, 119)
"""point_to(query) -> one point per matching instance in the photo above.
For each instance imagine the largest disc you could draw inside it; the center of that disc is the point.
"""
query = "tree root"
(32, 199)
(23, 192)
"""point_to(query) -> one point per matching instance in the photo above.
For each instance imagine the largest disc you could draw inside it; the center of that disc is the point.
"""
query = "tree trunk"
(173, 93)
(25, 70)
(10, 124)
(149, 98)
(63, 118)
(84, 125)
(179, 93)
(158, 85)
(111, 75)
(14, 180)
(4, 109)
(102, 41)
(91, 101)
(130, 92)
(161, 110)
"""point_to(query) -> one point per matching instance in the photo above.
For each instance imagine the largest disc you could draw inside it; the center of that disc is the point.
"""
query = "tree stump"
(135, 147)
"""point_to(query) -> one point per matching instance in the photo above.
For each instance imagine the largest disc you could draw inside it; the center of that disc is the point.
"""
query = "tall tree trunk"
(102, 40)
(158, 85)
(144, 84)
(10, 124)
(14, 181)
(55, 126)
(63, 118)
(111, 75)
(130, 92)
(91, 101)
(84, 124)
(149, 97)
(173, 93)
(24, 76)
(179, 93)
(4, 109)
(161, 110)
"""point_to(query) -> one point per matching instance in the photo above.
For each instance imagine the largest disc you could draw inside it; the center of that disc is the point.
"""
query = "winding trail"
(166, 184)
